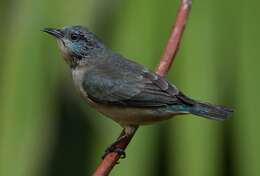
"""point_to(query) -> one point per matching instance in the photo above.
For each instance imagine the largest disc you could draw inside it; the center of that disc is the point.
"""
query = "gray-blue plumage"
(122, 89)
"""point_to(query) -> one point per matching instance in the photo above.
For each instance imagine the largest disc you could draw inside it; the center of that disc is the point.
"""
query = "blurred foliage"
(47, 130)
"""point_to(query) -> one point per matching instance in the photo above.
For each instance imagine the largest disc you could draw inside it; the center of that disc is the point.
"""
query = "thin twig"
(172, 46)
(166, 61)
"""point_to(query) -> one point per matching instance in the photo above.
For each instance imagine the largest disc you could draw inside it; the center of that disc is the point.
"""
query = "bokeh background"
(47, 130)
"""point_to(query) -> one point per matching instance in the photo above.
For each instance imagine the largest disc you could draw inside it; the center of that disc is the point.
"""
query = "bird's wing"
(134, 86)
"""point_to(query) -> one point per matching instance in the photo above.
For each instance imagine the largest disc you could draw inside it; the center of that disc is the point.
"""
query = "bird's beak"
(58, 33)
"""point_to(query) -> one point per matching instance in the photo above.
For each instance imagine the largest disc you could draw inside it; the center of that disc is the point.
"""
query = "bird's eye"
(74, 37)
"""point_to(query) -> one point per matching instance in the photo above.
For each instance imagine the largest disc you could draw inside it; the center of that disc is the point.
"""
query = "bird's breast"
(78, 78)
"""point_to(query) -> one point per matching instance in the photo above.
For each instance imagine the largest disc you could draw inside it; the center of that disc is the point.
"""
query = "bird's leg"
(115, 148)
(123, 138)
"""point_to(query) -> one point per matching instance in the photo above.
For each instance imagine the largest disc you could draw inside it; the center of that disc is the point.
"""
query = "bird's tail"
(207, 110)
(210, 111)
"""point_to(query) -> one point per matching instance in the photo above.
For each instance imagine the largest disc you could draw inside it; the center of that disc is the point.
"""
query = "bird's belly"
(132, 116)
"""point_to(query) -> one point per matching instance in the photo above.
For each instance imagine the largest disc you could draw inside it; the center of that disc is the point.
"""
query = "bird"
(121, 89)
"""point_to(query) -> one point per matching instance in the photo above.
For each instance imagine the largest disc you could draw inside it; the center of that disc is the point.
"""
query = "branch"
(166, 61)
(174, 41)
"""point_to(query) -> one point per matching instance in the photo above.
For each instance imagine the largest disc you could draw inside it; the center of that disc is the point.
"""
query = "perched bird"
(122, 89)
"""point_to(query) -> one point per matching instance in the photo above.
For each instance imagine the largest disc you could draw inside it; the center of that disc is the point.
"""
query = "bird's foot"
(114, 148)
(123, 138)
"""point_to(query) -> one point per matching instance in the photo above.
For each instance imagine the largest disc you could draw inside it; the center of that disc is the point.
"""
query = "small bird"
(122, 89)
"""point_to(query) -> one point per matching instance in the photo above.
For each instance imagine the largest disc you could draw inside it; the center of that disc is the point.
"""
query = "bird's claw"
(115, 149)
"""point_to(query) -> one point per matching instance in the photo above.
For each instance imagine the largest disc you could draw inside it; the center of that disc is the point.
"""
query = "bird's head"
(77, 44)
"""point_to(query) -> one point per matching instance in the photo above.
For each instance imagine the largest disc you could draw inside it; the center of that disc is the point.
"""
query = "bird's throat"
(64, 52)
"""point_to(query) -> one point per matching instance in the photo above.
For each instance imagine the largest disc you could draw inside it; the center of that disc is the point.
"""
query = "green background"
(47, 130)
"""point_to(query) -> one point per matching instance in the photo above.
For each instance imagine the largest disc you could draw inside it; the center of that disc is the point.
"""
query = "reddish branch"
(172, 46)
(166, 61)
